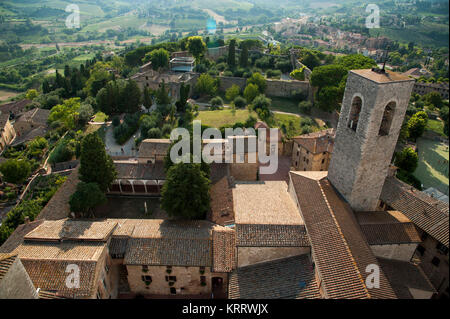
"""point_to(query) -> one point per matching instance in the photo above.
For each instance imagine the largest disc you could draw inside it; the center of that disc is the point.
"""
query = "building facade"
(372, 113)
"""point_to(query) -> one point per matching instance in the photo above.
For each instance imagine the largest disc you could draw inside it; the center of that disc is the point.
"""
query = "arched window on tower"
(354, 113)
(386, 122)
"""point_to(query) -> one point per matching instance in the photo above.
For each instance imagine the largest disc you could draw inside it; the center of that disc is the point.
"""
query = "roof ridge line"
(345, 240)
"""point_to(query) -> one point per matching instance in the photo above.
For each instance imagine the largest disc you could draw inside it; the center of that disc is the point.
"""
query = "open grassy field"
(436, 126)
(285, 119)
(220, 118)
(284, 105)
(433, 164)
(5, 95)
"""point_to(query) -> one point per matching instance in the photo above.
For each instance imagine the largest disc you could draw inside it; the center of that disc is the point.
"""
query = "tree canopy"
(95, 165)
(86, 197)
(185, 193)
(15, 171)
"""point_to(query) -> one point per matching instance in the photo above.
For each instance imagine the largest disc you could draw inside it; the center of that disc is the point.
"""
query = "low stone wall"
(276, 88)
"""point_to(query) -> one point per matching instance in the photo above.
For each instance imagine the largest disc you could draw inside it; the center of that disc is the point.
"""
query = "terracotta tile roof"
(384, 228)
(24, 138)
(266, 203)
(222, 208)
(289, 278)
(6, 261)
(44, 294)
(179, 243)
(37, 116)
(66, 229)
(224, 249)
(154, 147)
(58, 207)
(317, 142)
(15, 107)
(4, 118)
(387, 77)
(427, 213)
(405, 277)
(16, 238)
(271, 236)
(46, 264)
(51, 275)
(340, 251)
(134, 170)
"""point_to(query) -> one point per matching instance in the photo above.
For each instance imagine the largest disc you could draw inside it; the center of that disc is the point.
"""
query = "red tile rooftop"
(386, 77)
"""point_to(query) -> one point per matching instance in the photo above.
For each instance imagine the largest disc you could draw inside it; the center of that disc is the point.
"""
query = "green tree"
(15, 171)
(132, 97)
(206, 85)
(86, 198)
(240, 102)
(147, 99)
(251, 91)
(185, 89)
(232, 92)
(298, 74)
(417, 124)
(32, 94)
(185, 193)
(407, 160)
(196, 46)
(159, 58)
(162, 95)
(258, 80)
(433, 98)
(66, 113)
(243, 58)
(443, 114)
(85, 113)
(232, 53)
(95, 165)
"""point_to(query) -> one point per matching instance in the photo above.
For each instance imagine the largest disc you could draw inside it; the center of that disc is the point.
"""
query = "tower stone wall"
(362, 155)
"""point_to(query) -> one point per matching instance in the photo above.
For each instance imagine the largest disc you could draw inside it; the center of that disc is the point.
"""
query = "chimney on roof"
(27, 220)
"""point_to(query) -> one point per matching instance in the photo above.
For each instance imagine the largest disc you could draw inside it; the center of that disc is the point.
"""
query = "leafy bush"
(240, 102)
(216, 102)
(305, 107)
(273, 74)
(154, 133)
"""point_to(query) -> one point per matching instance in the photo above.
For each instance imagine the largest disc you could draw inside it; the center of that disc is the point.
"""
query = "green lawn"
(220, 118)
(436, 126)
(100, 117)
(432, 170)
(284, 105)
(285, 119)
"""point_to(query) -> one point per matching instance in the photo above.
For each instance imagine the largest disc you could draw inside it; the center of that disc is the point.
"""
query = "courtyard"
(131, 208)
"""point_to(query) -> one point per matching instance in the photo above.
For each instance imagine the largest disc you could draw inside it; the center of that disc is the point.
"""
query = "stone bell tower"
(372, 114)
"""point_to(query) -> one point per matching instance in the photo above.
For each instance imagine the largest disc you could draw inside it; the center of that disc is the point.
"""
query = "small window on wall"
(355, 111)
(145, 268)
(436, 261)
(171, 278)
(147, 278)
(386, 122)
(421, 250)
(173, 291)
(203, 280)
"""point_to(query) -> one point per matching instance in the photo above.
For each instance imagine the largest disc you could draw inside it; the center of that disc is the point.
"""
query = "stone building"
(163, 257)
(312, 152)
(31, 120)
(423, 88)
(431, 217)
(372, 113)
(153, 150)
(172, 80)
(8, 133)
(14, 280)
